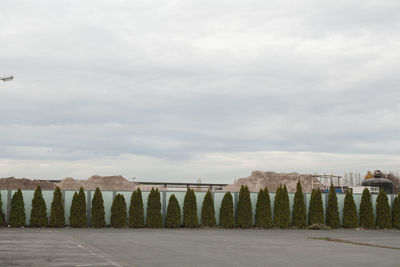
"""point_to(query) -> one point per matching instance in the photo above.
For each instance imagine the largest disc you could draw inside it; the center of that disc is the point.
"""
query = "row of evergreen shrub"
(385, 218)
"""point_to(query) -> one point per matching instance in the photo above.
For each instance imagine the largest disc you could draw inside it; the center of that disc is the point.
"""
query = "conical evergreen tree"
(261, 210)
(190, 218)
(154, 216)
(118, 212)
(82, 208)
(173, 219)
(207, 211)
(57, 217)
(73, 213)
(17, 213)
(396, 212)
(136, 212)
(299, 219)
(2, 217)
(278, 206)
(98, 213)
(269, 222)
(281, 208)
(349, 211)
(332, 213)
(226, 212)
(316, 210)
(366, 210)
(78, 217)
(38, 211)
(244, 209)
(383, 216)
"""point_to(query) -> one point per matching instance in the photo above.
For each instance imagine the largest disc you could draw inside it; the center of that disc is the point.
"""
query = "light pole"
(7, 78)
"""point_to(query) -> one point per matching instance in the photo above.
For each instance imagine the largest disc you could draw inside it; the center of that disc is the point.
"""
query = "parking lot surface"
(196, 247)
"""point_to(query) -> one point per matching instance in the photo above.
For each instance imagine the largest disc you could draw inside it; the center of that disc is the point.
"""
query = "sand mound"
(259, 179)
(23, 183)
(102, 182)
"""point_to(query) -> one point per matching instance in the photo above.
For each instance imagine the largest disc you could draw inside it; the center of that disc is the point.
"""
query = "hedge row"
(385, 218)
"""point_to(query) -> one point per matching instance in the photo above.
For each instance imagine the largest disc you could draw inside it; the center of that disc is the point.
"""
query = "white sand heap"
(259, 179)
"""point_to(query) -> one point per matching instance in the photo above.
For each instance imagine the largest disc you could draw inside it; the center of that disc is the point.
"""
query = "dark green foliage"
(78, 217)
(226, 212)
(207, 211)
(269, 222)
(118, 212)
(154, 216)
(2, 215)
(173, 219)
(244, 210)
(349, 211)
(98, 213)
(316, 210)
(332, 213)
(38, 212)
(261, 210)
(136, 213)
(396, 212)
(299, 218)
(366, 211)
(383, 216)
(190, 218)
(17, 213)
(281, 208)
(57, 217)
(277, 201)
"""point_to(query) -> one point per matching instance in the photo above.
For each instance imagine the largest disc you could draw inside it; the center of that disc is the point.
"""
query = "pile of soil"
(258, 180)
(24, 184)
(102, 182)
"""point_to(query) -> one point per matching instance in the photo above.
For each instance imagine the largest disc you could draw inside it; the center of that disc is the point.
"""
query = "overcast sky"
(176, 90)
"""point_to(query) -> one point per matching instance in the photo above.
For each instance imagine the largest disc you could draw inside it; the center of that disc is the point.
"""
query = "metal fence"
(108, 197)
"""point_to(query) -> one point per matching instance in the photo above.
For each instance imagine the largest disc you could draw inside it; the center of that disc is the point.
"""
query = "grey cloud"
(182, 79)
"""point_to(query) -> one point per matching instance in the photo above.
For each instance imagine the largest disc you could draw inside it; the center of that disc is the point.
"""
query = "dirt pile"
(102, 182)
(23, 183)
(259, 179)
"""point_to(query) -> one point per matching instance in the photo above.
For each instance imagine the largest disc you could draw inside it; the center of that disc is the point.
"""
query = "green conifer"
(383, 215)
(244, 209)
(396, 212)
(57, 217)
(261, 210)
(73, 213)
(226, 212)
(269, 222)
(349, 211)
(366, 210)
(173, 218)
(38, 211)
(154, 216)
(332, 213)
(299, 219)
(2, 215)
(190, 218)
(277, 205)
(118, 212)
(136, 212)
(207, 211)
(78, 217)
(316, 210)
(97, 211)
(17, 213)
(83, 221)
